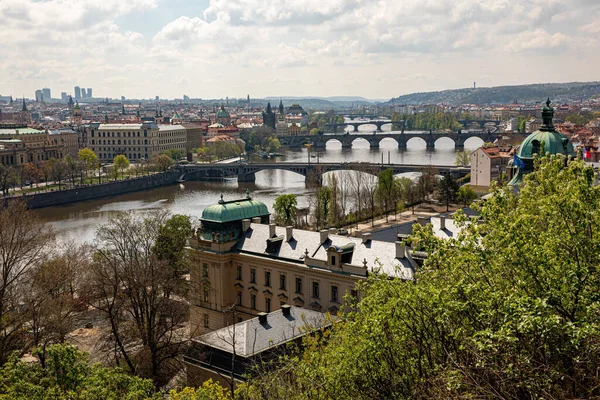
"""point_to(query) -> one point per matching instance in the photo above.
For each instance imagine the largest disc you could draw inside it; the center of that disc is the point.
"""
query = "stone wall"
(96, 191)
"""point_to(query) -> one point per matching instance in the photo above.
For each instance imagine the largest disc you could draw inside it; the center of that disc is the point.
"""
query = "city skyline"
(215, 49)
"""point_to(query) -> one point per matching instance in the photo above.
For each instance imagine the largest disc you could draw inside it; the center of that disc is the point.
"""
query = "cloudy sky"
(216, 48)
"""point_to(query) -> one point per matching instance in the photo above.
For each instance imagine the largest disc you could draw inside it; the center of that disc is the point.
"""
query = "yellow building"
(242, 262)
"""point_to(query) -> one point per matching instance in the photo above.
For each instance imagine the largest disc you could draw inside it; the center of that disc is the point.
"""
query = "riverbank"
(91, 192)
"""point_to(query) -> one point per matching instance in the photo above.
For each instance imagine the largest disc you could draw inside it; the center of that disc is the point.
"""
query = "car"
(343, 231)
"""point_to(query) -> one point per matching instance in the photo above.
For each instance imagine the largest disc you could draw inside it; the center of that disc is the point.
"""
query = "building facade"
(242, 261)
(135, 141)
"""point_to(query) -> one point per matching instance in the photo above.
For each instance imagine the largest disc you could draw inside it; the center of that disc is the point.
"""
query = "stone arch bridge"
(320, 141)
(312, 171)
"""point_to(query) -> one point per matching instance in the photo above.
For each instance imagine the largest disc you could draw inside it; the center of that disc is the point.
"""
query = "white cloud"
(373, 48)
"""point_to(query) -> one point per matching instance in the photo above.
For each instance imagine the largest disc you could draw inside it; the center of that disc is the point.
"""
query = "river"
(78, 222)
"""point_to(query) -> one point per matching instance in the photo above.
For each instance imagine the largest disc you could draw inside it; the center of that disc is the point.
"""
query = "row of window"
(119, 141)
(283, 283)
(125, 134)
(130, 156)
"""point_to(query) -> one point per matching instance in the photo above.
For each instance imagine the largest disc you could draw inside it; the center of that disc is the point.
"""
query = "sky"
(377, 49)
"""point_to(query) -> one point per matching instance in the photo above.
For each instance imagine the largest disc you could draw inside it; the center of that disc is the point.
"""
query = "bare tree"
(24, 241)
(50, 300)
(141, 297)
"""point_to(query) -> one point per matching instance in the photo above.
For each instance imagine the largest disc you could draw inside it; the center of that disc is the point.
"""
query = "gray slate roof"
(379, 255)
(253, 337)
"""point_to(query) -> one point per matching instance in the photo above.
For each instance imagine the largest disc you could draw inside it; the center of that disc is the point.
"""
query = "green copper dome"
(222, 113)
(235, 210)
(554, 141)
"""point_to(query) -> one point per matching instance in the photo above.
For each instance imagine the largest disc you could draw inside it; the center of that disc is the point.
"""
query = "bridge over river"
(312, 171)
(374, 139)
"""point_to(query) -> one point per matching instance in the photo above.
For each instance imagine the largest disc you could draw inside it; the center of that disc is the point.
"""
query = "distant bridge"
(402, 139)
(378, 123)
(313, 171)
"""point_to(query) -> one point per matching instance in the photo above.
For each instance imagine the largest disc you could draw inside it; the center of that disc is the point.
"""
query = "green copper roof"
(222, 113)
(235, 210)
(554, 142)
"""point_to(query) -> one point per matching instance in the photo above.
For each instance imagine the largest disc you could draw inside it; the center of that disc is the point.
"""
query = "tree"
(463, 158)
(162, 162)
(386, 187)
(175, 154)
(505, 309)
(447, 190)
(24, 242)
(58, 170)
(89, 161)
(121, 162)
(72, 168)
(466, 195)
(69, 375)
(286, 209)
(135, 288)
(171, 241)
(31, 173)
(314, 131)
(50, 299)
(321, 205)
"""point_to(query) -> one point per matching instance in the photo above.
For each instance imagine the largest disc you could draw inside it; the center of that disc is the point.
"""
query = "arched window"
(535, 147)
(93, 141)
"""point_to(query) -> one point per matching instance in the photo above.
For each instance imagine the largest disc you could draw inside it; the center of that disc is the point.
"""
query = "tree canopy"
(508, 308)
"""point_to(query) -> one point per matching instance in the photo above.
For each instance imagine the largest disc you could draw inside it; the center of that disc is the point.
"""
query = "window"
(333, 260)
(206, 320)
(298, 285)
(268, 304)
(239, 298)
(267, 278)
(252, 275)
(282, 282)
(316, 290)
(334, 294)
(205, 270)
(206, 296)
(253, 301)
(239, 273)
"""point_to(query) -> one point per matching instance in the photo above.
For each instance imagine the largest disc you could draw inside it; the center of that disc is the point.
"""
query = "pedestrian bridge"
(245, 172)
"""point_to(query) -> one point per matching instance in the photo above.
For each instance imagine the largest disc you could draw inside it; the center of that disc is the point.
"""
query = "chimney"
(286, 309)
(357, 233)
(262, 317)
(400, 250)
(272, 232)
(324, 235)
(289, 233)
(256, 220)
(245, 224)
(366, 237)
(421, 221)
(442, 222)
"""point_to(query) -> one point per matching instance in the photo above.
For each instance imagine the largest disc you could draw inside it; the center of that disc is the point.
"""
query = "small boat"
(275, 154)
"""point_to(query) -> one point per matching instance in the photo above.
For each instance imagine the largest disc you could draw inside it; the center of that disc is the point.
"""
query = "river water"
(78, 222)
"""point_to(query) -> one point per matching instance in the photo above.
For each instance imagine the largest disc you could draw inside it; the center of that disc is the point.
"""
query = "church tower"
(77, 114)
(25, 115)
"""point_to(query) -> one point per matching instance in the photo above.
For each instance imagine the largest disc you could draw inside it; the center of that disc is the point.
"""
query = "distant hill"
(505, 94)
(320, 103)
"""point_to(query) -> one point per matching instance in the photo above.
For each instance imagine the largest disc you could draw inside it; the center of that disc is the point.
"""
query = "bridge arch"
(417, 141)
(334, 141)
(360, 140)
(439, 142)
(473, 142)
(388, 139)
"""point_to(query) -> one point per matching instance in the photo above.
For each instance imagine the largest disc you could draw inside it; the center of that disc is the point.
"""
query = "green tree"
(321, 205)
(463, 158)
(69, 375)
(447, 190)
(121, 162)
(286, 209)
(505, 309)
(171, 241)
(89, 160)
(175, 154)
(314, 131)
(58, 170)
(465, 195)
(162, 162)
